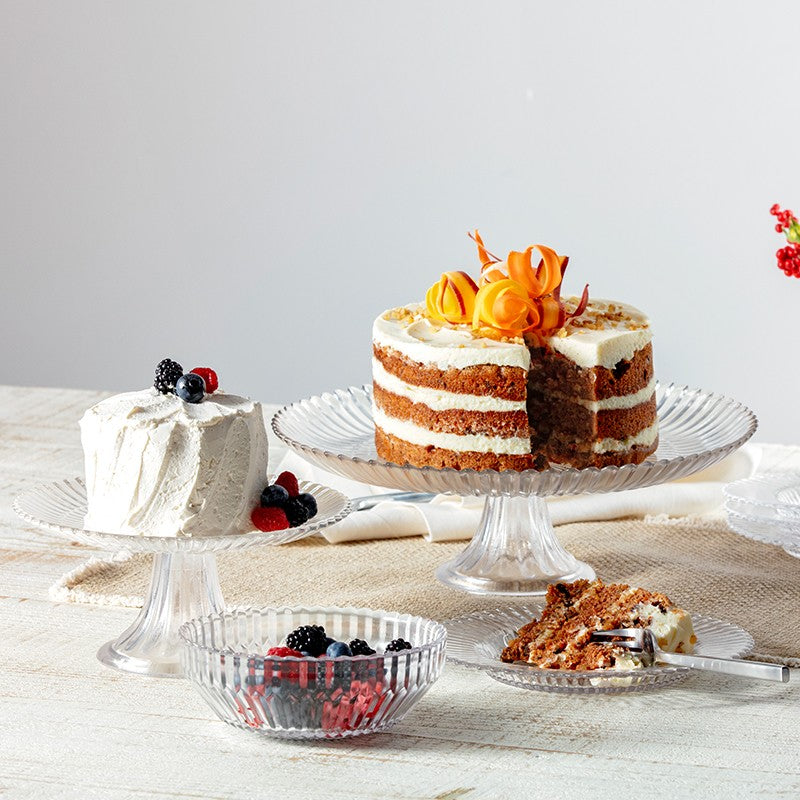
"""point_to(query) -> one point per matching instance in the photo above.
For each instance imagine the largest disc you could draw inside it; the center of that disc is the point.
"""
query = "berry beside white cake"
(179, 459)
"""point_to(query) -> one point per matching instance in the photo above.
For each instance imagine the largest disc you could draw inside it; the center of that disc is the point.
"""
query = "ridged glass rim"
(773, 482)
(186, 629)
(779, 531)
(649, 470)
(170, 544)
(486, 616)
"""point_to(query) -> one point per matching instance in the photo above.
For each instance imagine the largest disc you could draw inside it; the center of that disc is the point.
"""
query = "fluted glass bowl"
(224, 655)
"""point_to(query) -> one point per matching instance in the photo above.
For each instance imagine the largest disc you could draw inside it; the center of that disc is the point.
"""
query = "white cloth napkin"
(449, 517)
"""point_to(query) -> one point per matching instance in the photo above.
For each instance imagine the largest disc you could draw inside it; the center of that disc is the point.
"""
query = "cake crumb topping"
(601, 316)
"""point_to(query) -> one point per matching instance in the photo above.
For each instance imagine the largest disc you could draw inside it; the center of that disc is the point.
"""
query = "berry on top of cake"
(504, 373)
(179, 459)
(562, 637)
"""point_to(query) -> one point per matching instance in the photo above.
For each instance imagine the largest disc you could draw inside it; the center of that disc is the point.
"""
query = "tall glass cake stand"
(515, 550)
(184, 582)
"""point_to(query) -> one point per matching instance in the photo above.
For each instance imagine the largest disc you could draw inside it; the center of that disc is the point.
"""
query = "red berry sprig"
(789, 256)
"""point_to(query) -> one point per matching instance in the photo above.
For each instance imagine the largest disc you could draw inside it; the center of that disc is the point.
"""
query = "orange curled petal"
(520, 270)
(549, 271)
(452, 299)
(431, 303)
(511, 311)
(503, 305)
(493, 272)
(483, 254)
(552, 314)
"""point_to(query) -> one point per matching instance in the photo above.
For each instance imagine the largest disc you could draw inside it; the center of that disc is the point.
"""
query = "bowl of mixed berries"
(312, 673)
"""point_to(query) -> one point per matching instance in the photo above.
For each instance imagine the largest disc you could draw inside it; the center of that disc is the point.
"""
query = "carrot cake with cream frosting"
(562, 637)
(504, 374)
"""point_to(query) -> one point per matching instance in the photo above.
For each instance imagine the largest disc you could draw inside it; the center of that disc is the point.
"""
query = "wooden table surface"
(71, 728)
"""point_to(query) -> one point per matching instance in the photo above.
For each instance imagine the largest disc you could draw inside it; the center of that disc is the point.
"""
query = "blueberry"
(338, 649)
(274, 495)
(295, 511)
(191, 388)
(309, 503)
(328, 642)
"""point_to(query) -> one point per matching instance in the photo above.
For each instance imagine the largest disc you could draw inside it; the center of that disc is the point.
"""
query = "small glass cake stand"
(515, 550)
(184, 583)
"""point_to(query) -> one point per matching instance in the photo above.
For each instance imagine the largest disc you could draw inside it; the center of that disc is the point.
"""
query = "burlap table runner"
(700, 564)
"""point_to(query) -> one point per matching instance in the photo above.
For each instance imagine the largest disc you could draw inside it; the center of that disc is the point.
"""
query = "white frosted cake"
(157, 465)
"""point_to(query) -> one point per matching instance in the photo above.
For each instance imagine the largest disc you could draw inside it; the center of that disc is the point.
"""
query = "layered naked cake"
(562, 637)
(505, 374)
(592, 388)
(447, 398)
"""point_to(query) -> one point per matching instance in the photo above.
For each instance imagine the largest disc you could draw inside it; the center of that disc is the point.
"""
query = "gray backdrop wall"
(246, 185)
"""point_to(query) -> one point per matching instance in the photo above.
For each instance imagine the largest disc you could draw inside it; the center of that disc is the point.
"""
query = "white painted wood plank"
(73, 729)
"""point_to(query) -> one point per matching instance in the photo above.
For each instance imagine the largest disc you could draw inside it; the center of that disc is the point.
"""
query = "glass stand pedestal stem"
(183, 586)
(514, 552)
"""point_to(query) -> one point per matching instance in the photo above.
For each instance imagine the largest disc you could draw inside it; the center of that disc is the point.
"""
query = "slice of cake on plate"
(505, 374)
(562, 637)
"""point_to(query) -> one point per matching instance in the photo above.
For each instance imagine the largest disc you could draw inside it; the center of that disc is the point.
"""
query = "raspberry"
(289, 482)
(209, 376)
(283, 652)
(269, 519)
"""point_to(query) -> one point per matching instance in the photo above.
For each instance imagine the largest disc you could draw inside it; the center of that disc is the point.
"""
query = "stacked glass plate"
(767, 508)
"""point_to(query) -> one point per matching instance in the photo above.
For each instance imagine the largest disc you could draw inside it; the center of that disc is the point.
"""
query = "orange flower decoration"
(452, 299)
(515, 298)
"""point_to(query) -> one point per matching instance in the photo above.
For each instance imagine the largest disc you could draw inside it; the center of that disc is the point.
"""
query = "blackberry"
(308, 638)
(167, 374)
(358, 647)
(309, 503)
(396, 645)
(296, 512)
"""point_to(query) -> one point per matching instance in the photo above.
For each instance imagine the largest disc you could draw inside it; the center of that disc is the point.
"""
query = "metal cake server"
(642, 642)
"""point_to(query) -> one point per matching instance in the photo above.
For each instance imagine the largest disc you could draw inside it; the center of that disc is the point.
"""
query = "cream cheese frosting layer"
(616, 340)
(158, 466)
(622, 331)
(615, 403)
(646, 437)
(466, 443)
(447, 347)
(672, 627)
(438, 399)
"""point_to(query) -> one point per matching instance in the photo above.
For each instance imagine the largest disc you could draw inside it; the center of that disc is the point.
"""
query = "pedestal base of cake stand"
(182, 586)
(514, 552)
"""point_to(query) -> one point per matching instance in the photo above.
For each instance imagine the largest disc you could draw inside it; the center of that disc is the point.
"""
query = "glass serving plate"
(224, 655)
(766, 508)
(515, 550)
(476, 641)
(184, 581)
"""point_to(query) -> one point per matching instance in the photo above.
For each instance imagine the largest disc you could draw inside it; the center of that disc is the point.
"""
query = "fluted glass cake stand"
(515, 550)
(184, 584)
